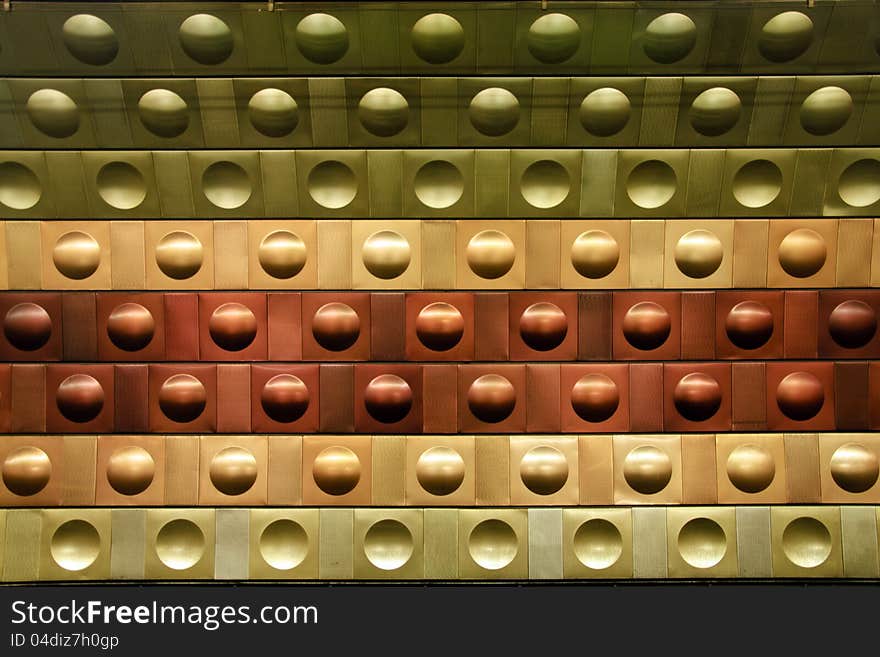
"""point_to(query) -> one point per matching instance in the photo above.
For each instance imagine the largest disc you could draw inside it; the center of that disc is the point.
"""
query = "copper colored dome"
(749, 324)
(233, 326)
(595, 397)
(388, 398)
(439, 326)
(646, 325)
(491, 398)
(130, 326)
(543, 326)
(336, 326)
(27, 326)
(285, 398)
(852, 324)
(182, 398)
(697, 396)
(80, 398)
(800, 396)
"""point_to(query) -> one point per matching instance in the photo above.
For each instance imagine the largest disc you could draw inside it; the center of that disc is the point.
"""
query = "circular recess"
(802, 253)
(386, 254)
(852, 324)
(26, 470)
(336, 470)
(826, 110)
(438, 184)
(605, 112)
(595, 397)
(439, 326)
(697, 396)
(120, 185)
(651, 184)
(130, 470)
(715, 111)
(383, 112)
(285, 398)
(553, 38)
(180, 544)
(53, 113)
(164, 113)
(749, 324)
(76, 255)
(698, 253)
(786, 36)
(27, 326)
(437, 38)
(490, 254)
(80, 398)
(702, 543)
(336, 326)
(751, 468)
(543, 470)
(232, 326)
(595, 254)
(19, 187)
(130, 326)
(757, 183)
(859, 184)
(597, 544)
(233, 470)
(646, 325)
(332, 184)
(388, 544)
(800, 396)
(545, 184)
(206, 39)
(440, 470)
(226, 185)
(492, 544)
(494, 112)
(854, 467)
(806, 542)
(284, 544)
(647, 469)
(543, 326)
(282, 254)
(75, 545)
(491, 398)
(321, 38)
(182, 398)
(90, 39)
(179, 255)
(388, 398)
(669, 38)
(273, 112)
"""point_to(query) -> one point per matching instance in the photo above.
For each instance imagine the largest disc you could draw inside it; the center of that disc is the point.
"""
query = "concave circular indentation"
(233, 470)
(597, 544)
(806, 542)
(749, 324)
(388, 398)
(854, 467)
(852, 324)
(388, 544)
(859, 184)
(80, 398)
(76, 255)
(437, 38)
(53, 113)
(282, 254)
(383, 112)
(285, 398)
(785, 36)
(439, 326)
(698, 253)
(27, 326)
(647, 469)
(826, 110)
(543, 470)
(273, 112)
(206, 39)
(646, 325)
(336, 470)
(697, 396)
(226, 185)
(321, 38)
(180, 544)
(595, 254)
(543, 326)
(492, 544)
(130, 326)
(757, 183)
(595, 397)
(438, 184)
(26, 470)
(802, 253)
(545, 184)
(669, 38)
(182, 398)
(553, 38)
(130, 470)
(490, 254)
(651, 184)
(90, 39)
(332, 184)
(491, 398)
(164, 113)
(232, 326)
(715, 111)
(494, 112)
(386, 254)
(284, 544)
(702, 543)
(751, 468)
(336, 326)
(75, 545)
(179, 254)
(440, 470)
(800, 396)
(120, 185)
(605, 112)
(19, 187)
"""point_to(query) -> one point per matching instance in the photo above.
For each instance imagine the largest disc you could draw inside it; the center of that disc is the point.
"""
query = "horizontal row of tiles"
(439, 544)
(418, 183)
(366, 37)
(440, 254)
(517, 470)
(439, 112)
(435, 398)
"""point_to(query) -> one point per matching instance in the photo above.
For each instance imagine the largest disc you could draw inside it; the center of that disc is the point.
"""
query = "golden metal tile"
(389, 544)
(702, 542)
(490, 254)
(441, 544)
(858, 527)
(386, 255)
(698, 254)
(493, 544)
(802, 253)
(76, 255)
(180, 544)
(127, 272)
(594, 254)
(389, 470)
(751, 469)
(646, 256)
(282, 254)
(849, 465)
(543, 470)
(130, 471)
(21, 553)
(336, 560)
(233, 470)
(74, 544)
(284, 486)
(23, 255)
(440, 471)
(284, 543)
(806, 541)
(127, 543)
(492, 475)
(179, 254)
(231, 242)
(647, 469)
(597, 543)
